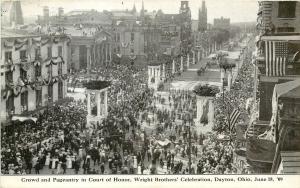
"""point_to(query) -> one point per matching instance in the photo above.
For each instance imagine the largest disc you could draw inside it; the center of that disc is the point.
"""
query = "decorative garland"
(8, 44)
(45, 41)
(20, 43)
(132, 57)
(37, 41)
(124, 45)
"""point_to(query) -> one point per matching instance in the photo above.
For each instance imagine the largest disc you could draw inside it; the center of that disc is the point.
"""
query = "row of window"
(118, 38)
(37, 72)
(38, 98)
(23, 53)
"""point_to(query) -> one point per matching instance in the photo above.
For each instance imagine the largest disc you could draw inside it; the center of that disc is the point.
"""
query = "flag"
(233, 118)
(276, 57)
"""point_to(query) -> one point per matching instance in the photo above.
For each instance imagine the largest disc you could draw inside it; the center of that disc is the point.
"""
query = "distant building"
(202, 18)
(222, 23)
(33, 71)
(11, 13)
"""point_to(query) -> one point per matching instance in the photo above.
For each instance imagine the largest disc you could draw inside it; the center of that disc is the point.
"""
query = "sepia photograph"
(149, 87)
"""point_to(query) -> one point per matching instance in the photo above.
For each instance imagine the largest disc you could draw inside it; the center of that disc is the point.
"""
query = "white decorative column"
(188, 61)
(106, 53)
(229, 80)
(211, 111)
(222, 78)
(200, 102)
(173, 67)
(181, 63)
(88, 103)
(105, 103)
(194, 59)
(164, 71)
(98, 102)
(88, 56)
(199, 56)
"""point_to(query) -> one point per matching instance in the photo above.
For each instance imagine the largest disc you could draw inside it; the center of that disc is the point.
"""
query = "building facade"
(222, 23)
(277, 61)
(33, 72)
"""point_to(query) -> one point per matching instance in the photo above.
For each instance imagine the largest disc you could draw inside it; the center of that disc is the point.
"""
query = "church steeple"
(134, 9)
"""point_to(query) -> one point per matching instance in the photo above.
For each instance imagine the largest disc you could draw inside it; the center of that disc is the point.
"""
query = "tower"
(60, 12)
(185, 27)
(202, 18)
(46, 15)
(142, 13)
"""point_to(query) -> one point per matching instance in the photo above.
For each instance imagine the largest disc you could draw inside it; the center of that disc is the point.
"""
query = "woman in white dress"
(47, 162)
(69, 162)
(54, 159)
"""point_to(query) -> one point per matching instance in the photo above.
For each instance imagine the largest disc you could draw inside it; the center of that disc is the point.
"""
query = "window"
(59, 70)
(49, 52)
(132, 36)
(285, 29)
(132, 50)
(38, 97)
(49, 70)
(38, 71)
(8, 76)
(37, 53)
(23, 55)
(24, 101)
(287, 9)
(118, 49)
(59, 50)
(50, 93)
(8, 56)
(23, 73)
(10, 108)
(118, 37)
(60, 90)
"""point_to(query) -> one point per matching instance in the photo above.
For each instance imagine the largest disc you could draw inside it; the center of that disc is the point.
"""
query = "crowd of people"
(144, 133)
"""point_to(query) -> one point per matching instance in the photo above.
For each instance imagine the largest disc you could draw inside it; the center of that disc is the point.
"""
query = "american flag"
(233, 118)
(276, 57)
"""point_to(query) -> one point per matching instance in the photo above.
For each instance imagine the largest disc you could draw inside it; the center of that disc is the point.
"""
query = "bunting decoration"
(8, 44)
(55, 40)
(37, 41)
(45, 41)
(132, 57)
(19, 43)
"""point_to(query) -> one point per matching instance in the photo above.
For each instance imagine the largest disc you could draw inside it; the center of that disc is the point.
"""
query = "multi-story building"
(222, 23)
(202, 18)
(278, 64)
(33, 71)
(11, 13)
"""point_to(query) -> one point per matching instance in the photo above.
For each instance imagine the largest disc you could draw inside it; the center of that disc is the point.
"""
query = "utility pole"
(190, 149)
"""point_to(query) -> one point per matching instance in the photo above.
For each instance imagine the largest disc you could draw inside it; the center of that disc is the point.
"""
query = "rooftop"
(16, 33)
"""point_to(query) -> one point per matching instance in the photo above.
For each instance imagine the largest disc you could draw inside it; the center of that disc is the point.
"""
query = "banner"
(22, 119)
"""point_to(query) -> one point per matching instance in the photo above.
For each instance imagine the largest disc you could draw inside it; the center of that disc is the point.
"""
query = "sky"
(236, 10)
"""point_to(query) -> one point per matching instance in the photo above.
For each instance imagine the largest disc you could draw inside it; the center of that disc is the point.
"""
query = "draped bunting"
(132, 57)
(25, 66)
(124, 44)
(19, 43)
(37, 63)
(37, 41)
(8, 44)
(45, 41)
(119, 55)
(54, 61)
(56, 40)
(12, 68)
